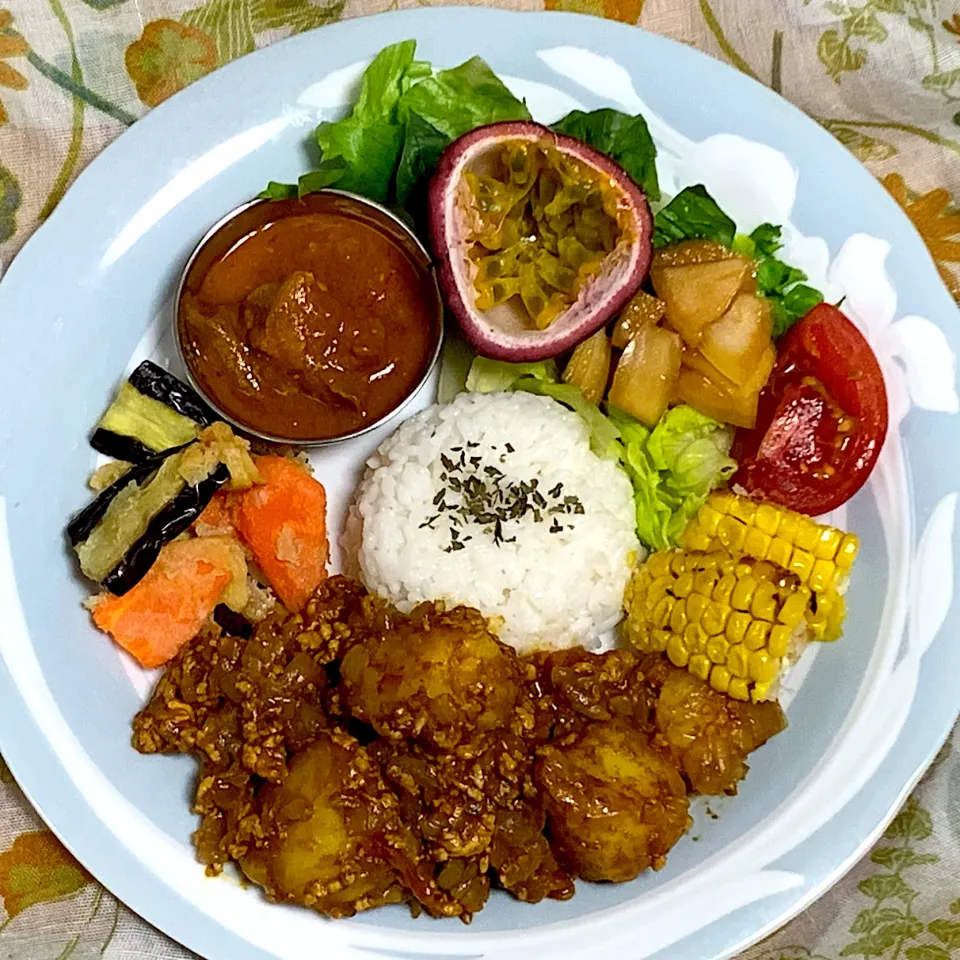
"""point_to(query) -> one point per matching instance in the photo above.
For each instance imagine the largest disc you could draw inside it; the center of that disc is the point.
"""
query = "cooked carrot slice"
(284, 523)
(166, 608)
(217, 517)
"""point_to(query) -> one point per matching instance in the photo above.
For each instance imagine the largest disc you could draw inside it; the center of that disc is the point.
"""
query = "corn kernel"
(723, 500)
(742, 594)
(817, 623)
(827, 543)
(789, 522)
(659, 564)
(739, 689)
(697, 540)
(794, 607)
(683, 586)
(743, 508)
(801, 563)
(756, 543)
(847, 552)
(717, 649)
(720, 679)
(807, 534)
(715, 618)
(737, 660)
(763, 667)
(726, 563)
(760, 692)
(658, 590)
(661, 615)
(699, 666)
(764, 603)
(708, 519)
(678, 617)
(731, 534)
(677, 652)
(697, 604)
(780, 552)
(678, 562)
(765, 570)
(737, 625)
(779, 642)
(756, 636)
(724, 588)
(694, 638)
(821, 577)
(704, 581)
(835, 616)
(659, 640)
(767, 519)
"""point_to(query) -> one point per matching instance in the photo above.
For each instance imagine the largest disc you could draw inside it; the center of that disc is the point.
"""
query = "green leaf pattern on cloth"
(882, 76)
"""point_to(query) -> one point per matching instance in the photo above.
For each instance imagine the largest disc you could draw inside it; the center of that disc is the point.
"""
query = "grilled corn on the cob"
(735, 622)
(751, 584)
(820, 556)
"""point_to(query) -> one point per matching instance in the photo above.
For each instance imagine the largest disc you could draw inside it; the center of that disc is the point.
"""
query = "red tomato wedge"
(822, 418)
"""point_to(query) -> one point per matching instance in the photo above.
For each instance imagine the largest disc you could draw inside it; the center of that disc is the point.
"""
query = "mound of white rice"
(554, 570)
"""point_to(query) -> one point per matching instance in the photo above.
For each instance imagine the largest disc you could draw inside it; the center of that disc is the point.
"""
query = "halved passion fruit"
(540, 239)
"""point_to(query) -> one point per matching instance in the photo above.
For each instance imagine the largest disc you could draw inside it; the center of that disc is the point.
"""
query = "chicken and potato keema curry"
(306, 324)
(354, 756)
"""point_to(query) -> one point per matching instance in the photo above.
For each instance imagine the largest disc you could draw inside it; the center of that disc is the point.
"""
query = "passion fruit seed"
(545, 223)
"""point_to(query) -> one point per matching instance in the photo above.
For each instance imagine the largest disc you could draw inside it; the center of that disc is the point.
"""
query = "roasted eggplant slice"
(167, 525)
(84, 522)
(127, 518)
(153, 381)
(152, 412)
(117, 537)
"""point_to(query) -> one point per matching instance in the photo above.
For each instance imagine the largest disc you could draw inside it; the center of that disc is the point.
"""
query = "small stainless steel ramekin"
(220, 238)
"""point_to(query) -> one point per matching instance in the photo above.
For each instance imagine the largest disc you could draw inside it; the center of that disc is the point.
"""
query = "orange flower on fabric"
(37, 869)
(953, 26)
(11, 45)
(939, 227)
(627, 11)
(168, 57)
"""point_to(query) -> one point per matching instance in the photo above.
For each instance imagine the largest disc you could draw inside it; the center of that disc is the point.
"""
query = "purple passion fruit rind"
(503, 332)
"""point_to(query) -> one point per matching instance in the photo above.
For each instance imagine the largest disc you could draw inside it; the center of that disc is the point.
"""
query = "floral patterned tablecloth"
(883, 76)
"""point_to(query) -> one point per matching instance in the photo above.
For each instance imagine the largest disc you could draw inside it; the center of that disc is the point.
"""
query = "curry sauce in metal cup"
(309, 321)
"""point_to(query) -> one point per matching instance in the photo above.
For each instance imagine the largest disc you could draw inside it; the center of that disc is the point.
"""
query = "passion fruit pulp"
(540, 238)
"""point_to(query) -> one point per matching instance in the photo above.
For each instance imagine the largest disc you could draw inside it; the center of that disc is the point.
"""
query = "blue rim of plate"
(765, 117)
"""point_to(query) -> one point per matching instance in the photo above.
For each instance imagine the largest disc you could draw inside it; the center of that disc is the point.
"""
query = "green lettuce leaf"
(326, 175)
(422, 147)
(370, 138)
(790, 298)
(278, 191)
(496, 376)
(672, 469)
(624, 138)
(458, 100)
(692, 215)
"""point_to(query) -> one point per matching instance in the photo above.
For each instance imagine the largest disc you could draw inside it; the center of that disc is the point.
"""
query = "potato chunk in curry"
(440, 677)
(615, 805)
